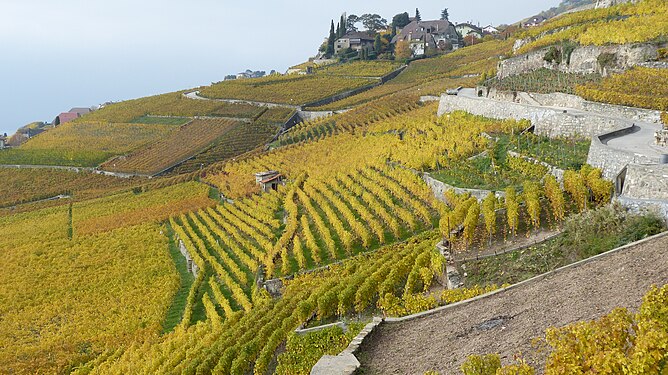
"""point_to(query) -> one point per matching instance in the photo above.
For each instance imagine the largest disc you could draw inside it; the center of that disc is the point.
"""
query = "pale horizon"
(77, 53)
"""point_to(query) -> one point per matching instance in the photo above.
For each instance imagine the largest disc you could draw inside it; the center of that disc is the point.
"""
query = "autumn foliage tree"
(402, 51)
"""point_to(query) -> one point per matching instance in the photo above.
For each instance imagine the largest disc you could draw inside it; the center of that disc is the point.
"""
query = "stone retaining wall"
(314, 115)
(646, 182)
(551, 122)
(660, 207)
(439, 188)
(576, 102)
(583, 60)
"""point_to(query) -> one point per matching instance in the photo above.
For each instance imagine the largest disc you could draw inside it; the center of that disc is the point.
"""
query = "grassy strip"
(584, 236)
(491, 171)
(304, 351)
(149, 120)
(176, 309)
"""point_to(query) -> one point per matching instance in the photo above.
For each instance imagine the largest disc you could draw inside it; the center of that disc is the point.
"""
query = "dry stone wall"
(576, 102)
(646, 181)
(583, 60)
(552, 122)
(439, 188)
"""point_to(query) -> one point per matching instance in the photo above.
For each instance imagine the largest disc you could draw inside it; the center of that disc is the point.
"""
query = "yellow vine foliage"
(624, 23)
(81, 296)
(620, 342)
(639, 87)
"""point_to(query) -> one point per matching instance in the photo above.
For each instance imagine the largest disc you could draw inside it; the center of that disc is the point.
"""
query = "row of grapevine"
(377, 110)
(98, 291)
(292, 90)
(331, 219)
(130, 208)
(360, 69)
(638, 87)
(416, 139)
(247, 343)
(624, 23)
(582, 190)
(180, 145)
(170, 104)
(433, 76)
(27, 185)
(82, 144)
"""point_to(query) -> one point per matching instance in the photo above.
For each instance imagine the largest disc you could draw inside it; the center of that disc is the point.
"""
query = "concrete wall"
(551, 122)
(646, 181)
(584, 60)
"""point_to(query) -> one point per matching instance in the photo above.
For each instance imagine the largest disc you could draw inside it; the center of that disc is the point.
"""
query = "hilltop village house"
(269, 180)
(3, 141)
(466, 29)
(424, 35)
(535, 21)
(356, 41)
(70, 115)
(489, 29)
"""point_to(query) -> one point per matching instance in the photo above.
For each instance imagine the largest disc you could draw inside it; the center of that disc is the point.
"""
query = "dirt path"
(506, 322)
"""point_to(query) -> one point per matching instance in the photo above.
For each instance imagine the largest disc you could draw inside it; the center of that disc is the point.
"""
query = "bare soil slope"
(506, 322)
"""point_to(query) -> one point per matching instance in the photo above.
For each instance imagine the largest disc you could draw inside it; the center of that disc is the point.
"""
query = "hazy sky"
(76, 53)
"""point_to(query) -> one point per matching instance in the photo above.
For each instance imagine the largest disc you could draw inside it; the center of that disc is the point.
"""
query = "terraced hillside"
(202, 270)
(145, 126)
(182, 144)
(299, 90)
(621, 24)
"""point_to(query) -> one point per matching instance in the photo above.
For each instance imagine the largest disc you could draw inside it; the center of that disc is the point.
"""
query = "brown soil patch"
(507, 322)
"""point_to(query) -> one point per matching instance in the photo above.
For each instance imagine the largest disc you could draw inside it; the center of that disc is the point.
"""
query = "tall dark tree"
(344, 26)
(377, 44)
(445, 15)
(400, 20)
(350, 23)
(330, 40)
(338, 30)
(417, 15)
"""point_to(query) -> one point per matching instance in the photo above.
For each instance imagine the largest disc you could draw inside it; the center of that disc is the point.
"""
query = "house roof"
(418, 29)
(266, 173)
(470, 26)
(358, 35)
(272, 178)
(67, 116)
(80, 110)
(536, 20)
